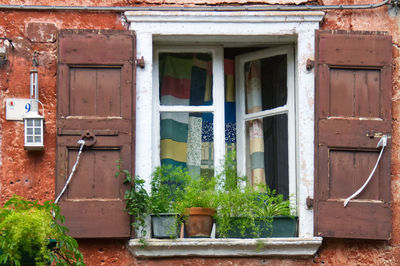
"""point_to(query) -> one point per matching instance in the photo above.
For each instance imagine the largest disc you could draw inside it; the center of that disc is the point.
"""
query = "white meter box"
(16, 108)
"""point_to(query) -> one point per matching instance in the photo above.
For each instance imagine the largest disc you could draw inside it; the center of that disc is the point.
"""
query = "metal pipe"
(193, 8)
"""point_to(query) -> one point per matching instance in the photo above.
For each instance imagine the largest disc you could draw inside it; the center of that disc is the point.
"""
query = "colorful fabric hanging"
(187, 139)
(255, 127)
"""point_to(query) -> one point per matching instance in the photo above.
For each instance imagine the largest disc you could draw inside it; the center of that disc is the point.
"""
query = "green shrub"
(26, 230)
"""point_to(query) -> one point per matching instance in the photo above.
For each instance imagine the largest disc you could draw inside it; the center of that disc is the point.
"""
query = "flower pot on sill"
(199, 221)
(164, 225)
(282, 226)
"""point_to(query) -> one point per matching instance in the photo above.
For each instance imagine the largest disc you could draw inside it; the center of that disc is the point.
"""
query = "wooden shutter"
(95, 98)
(353, 106)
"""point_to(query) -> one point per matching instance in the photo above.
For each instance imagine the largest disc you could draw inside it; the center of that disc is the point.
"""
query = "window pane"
(266, 85)
(267, 150)
(29, 122)
(38, 139)
(187, 140)
(37, 122)
(230, 105)
(38, 131)
(185, 78)
(29, 130)
(29, 139)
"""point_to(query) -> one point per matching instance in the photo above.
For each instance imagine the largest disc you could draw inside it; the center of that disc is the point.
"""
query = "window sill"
(206, 247)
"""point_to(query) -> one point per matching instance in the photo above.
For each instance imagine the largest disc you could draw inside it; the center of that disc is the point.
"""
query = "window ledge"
(261, 247)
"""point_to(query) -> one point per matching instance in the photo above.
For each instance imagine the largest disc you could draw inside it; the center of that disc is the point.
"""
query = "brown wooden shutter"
(353, 103)
(95, 96)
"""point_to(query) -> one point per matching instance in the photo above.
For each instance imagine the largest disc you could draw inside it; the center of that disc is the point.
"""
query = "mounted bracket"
(309, 202)
(140, 62)
(310, 64)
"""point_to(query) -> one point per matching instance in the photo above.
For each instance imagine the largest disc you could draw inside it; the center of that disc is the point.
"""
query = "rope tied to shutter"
(82, 143)
(382, 143)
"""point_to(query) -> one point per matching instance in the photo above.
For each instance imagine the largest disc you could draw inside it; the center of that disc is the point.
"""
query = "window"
(189, 84)
(190, 95)
(266, 125)
(277, 42)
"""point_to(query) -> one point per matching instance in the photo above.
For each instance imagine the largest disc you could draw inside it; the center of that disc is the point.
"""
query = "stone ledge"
(206, 247)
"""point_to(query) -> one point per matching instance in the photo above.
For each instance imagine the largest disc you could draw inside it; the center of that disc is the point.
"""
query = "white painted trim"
(262, 247)
(160, 17)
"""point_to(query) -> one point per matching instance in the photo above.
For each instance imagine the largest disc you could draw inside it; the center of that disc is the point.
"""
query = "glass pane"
(267, 150)
(37, 122)
(187, 140)
(185, 78)
(29, 122)
(29, 130)
(29, 139)
(38, 139)
(230, 105)
(266, 84)
(38, 131)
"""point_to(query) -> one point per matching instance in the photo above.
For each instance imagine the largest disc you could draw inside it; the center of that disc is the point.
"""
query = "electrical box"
(16, 108)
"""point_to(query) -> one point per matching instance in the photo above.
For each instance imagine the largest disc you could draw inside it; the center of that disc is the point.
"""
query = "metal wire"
(82, 143)
(192, 8)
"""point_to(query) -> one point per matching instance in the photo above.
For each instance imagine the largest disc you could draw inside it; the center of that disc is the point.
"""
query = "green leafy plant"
(167, 187)
(137, 200)
(28, 231)
(246, 209)
(199, 192)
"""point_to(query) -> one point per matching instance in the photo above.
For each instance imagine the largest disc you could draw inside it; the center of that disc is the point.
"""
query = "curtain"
(185, 79)
(255, 127)
(187, 139)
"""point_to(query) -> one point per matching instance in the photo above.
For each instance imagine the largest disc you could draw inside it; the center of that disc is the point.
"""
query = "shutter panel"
(95, 96)
(353, 102)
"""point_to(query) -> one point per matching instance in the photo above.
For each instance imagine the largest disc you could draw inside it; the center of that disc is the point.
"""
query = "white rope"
(82, 143)
(382, 143)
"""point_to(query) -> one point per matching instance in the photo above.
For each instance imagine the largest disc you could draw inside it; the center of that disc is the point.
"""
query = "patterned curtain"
(255, 127)
(187, 139)
(185, 79)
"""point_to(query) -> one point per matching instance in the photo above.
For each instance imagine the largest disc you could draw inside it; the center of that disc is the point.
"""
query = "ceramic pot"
(199, 221)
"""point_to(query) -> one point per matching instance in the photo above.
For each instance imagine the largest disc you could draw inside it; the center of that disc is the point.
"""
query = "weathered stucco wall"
(32, 175)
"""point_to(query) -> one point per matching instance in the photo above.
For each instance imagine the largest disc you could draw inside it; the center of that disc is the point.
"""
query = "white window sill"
(211, 247)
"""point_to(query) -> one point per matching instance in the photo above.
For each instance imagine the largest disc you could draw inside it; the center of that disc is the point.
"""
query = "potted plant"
(167, 187)
(137, 201)
(250, 212)
(198, 206)
(30, 234)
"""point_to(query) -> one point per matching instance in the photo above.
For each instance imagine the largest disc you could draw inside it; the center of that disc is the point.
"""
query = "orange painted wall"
(32, 175)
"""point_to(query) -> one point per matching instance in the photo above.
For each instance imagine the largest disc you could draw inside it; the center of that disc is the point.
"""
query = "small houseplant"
(198, 206)
(30, 234)
(137, 201)
(250, 212)
(166, 187)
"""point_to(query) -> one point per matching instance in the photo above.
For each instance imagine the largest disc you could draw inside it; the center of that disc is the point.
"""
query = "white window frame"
(217, 107)
(289, 108)
(197, 28)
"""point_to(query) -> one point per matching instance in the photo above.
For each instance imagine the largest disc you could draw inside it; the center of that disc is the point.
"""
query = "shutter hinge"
(309, 202)
(140, 62)
(372, 134)
(310, 64)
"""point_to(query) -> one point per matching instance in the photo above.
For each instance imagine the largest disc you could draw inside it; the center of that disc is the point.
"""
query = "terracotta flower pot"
(199, 222)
